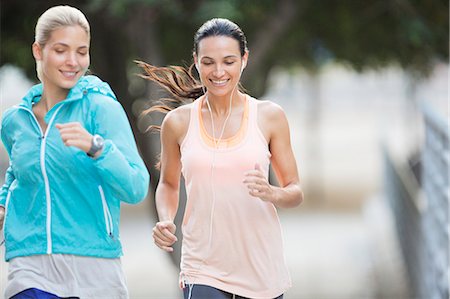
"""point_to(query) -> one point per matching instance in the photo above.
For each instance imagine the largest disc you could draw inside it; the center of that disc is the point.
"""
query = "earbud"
(242, 67)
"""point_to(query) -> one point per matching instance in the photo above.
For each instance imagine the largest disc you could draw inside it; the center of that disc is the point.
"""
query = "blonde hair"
(55, 18)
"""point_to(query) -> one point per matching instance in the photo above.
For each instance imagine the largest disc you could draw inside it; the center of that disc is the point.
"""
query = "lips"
(69, 75)
(219, 83)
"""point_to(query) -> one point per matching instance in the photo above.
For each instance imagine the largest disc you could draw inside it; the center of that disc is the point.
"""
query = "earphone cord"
(190, 284)
(213, 164)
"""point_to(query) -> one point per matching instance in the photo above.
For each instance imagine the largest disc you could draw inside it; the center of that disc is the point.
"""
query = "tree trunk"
(277, 24)
(148, 50)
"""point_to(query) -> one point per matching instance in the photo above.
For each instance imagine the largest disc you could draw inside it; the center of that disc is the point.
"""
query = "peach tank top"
(231, 240)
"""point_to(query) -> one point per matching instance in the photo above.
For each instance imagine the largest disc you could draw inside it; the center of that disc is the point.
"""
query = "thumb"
(171, 227)
(257, 166)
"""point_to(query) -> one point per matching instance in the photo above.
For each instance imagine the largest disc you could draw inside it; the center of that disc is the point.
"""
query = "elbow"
(139, 189)
(299, 198)
(293, 198)
(142, 190)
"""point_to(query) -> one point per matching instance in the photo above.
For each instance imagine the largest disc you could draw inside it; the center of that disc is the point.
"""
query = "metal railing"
(435, 220)
(421, 208)
(403, 193)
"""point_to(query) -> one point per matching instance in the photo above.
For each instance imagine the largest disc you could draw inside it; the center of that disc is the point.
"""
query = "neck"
(52, 97)
(221, 105)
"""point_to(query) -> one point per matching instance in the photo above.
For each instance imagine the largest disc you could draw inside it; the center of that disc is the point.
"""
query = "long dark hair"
(179, 81)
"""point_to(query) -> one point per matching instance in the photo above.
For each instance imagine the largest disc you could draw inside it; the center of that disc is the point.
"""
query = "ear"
(196, 62)
(244, 61)
(37, 51)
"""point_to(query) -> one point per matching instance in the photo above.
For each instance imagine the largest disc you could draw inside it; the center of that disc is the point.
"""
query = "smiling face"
(219, 61)
(64, 58)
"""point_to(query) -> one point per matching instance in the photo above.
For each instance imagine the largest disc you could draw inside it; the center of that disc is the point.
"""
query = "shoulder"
(101, 96)
(270, 111)
(271, 119)
(179, 116)
(177, 121)
(9, 115)
(97, 91)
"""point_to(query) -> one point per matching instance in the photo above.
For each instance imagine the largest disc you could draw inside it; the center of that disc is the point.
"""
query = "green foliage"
(361, 34)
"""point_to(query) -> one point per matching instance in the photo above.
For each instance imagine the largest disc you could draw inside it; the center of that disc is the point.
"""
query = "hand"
(73, 134)
(164, 235)
(2, 216)
(258, 185)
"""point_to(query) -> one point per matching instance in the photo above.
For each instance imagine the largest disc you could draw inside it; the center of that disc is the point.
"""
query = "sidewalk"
(330, 256)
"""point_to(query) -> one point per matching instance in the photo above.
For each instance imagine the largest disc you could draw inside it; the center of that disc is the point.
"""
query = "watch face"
(98, 141)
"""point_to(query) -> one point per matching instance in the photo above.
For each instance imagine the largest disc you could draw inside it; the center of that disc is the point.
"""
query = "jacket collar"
(83, 86)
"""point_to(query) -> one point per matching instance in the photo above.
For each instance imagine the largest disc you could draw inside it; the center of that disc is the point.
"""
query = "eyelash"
(62, 51)
(227, 63)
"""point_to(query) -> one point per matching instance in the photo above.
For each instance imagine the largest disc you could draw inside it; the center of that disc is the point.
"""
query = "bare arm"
(167, 192)
(273, 123)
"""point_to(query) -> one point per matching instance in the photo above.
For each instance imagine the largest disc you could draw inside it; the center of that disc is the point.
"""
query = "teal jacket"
(57, 199)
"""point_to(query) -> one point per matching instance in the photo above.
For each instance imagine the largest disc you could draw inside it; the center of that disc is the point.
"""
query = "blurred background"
(365, 87)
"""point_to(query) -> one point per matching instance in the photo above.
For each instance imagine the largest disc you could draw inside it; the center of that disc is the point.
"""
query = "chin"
(68, 84)
(219, 92)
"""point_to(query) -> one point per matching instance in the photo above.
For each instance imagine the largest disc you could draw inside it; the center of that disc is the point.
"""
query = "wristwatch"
(97, 144)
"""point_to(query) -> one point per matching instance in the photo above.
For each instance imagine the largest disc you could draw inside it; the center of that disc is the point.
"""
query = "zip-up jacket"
(58, 199)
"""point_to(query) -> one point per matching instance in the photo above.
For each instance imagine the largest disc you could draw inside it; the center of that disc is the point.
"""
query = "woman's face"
(219, 61)
(64, 58)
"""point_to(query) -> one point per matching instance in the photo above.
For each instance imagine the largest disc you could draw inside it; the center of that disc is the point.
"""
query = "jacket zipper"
(106, 214)
(43, 137)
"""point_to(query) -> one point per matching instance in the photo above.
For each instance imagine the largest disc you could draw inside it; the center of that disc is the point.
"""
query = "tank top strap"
(253, 112)
(194, 121)
(253, 120)
(193, 127)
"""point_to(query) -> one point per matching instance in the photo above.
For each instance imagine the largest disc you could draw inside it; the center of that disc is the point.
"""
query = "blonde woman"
(73, 160)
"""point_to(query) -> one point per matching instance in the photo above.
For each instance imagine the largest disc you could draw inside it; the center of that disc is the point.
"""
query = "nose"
(71, 59)
(219, 70)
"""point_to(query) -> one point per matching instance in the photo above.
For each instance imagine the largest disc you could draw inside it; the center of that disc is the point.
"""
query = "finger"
(68, 125)
(255, 180)
(161, 239)
(166, 231)
(70, 130)
(254, 193)
(255, 187)
(75, 130)
(162, 242)
(165, 248)
(166, 225)
(67, 136)
(81, 144)
(160, 235)
(168, 234)
(255, 173)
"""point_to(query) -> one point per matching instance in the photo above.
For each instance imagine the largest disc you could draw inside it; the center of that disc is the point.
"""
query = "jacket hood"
(81, 88)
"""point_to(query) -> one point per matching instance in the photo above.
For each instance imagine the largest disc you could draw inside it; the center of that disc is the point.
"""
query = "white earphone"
(242, 66)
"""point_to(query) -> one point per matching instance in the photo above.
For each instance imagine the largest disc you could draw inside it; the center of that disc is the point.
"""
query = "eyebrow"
(66, 45)
(226, 57)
